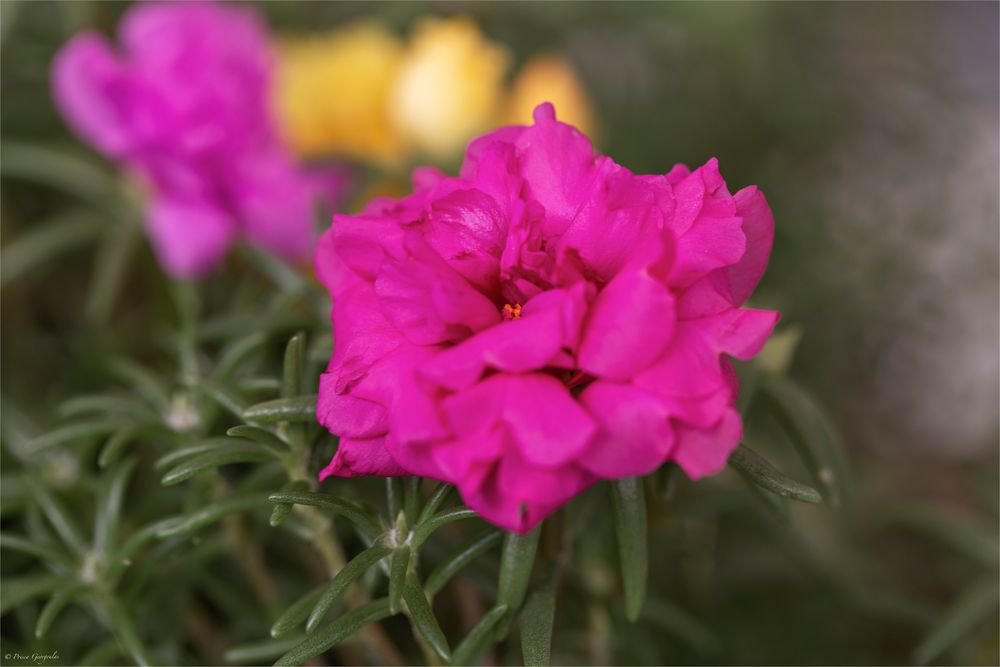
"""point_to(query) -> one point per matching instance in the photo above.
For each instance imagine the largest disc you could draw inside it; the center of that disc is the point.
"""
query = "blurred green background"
(872, 129)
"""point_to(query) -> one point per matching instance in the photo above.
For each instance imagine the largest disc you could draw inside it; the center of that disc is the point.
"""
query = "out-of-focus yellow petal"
(550, 78)
(332, 93)
(450, 85)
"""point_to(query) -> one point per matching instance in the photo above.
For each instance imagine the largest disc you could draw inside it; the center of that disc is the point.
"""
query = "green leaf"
(105, 403)
(109, 506)
(516, 564)
(411, 499)
(246, 452)
(48, 240)
(225, 396)
(56, 604)
(397, 577)
(438, 497)
(260, 436)
(234, 354)
(292, 385)
(18, 590)
(171, 459)
(282, 510)
(209, 514)
(628, 500)
(57, 515)
(246, 654)
(114, 252)
(972, 608)
(343, 579)
(144, 382)
(978, 543)
(121, 438)
(121, 624)
(351, 511)
(480, 636)
(683, 626)
(811, 433)
(83, 430)
(297, 613)
(537, 620)
(75, 173)
(425, 529)
(451, 565)
(760, 472)
(298, 409)
(394, 496)
(44, 552)
(337, 631)
(420, 612)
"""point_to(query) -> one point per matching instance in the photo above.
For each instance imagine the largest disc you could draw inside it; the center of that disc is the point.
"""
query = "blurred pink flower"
(184, 104)
(545, 320)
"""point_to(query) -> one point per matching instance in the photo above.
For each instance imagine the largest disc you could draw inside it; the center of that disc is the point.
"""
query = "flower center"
(512, 312)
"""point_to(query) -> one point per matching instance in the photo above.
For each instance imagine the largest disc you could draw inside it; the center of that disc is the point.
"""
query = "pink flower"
(545, 320)
(184, 104)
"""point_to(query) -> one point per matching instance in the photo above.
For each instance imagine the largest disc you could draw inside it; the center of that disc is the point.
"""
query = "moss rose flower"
(185, 105)
(544, 320)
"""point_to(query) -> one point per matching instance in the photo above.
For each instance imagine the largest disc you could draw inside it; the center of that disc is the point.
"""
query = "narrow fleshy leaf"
(120, 439)
(144, 382)
(298, 409)
(811, 433)
(227, 397)
(109, 506)
(75, 173)
(246, 452)
(367, 522)
(234, 354)
(516, 564)
(479, 638)
(74, 433)
(115, 252)
(424, 530)
(57, 515)
(537, 620)
(126, 633)
(47, 240)
(451, 565)
(423, 618)
(209, 514)
(296, 614)
(294, 361)
(628, 500)
(393, 496)
(104, 404)
(437, 498)
(56, 604)
(972, 608)
(18, 590)
(335, 632)
(411, 499)
(757, 469)
(356, 567)
(397, 577)
(682, 625)
(260, 436)
(31, 547)
(282, 510)
(269, 649)
(171, 459)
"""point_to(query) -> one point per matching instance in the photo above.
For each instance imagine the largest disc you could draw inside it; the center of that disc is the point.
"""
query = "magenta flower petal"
(628, 327)
(635, 435)
(355, 458)
(542, 321)
(189, 236)
(185, 106)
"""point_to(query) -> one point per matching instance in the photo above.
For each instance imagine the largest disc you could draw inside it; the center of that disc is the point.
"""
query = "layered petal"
(355, 458)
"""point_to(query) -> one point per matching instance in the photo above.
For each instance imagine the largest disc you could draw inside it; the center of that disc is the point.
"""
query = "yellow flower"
(550, 78)
(332, 91)
(450, 86)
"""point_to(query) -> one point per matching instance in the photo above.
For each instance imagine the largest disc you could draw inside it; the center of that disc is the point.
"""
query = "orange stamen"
(512, 312)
